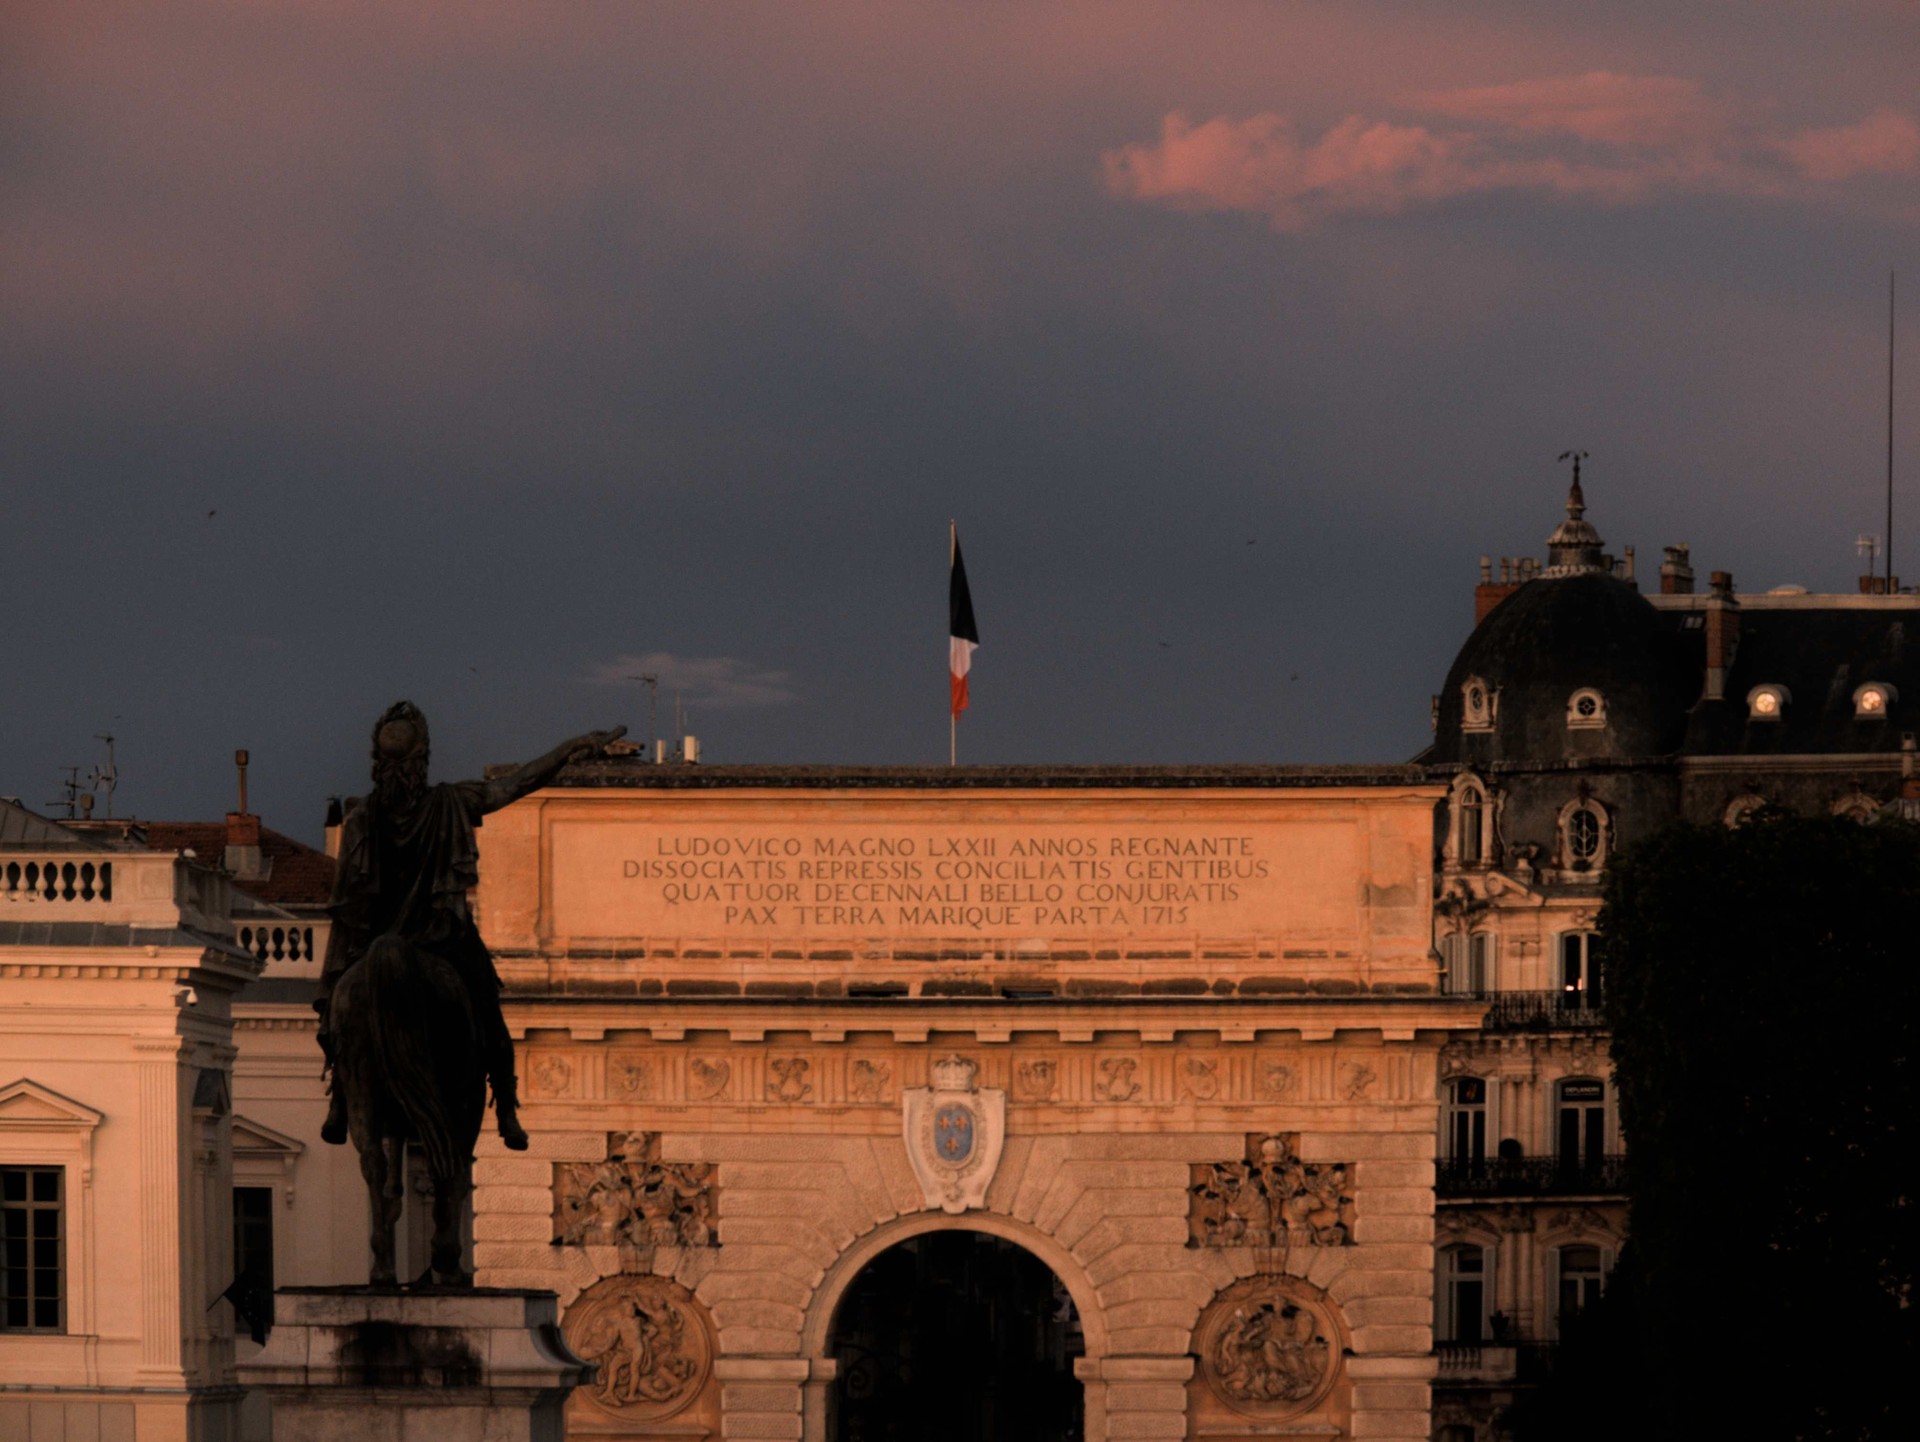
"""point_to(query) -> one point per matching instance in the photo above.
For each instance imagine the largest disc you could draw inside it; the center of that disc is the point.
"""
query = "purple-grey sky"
(489, 354)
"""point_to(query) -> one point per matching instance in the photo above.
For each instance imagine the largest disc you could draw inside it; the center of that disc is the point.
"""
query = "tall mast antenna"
(1889, 550)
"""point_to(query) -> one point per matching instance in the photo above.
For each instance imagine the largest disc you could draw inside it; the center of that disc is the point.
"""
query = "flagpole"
(953, 720)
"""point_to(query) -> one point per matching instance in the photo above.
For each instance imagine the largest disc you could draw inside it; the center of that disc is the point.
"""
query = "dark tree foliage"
(1762, 990)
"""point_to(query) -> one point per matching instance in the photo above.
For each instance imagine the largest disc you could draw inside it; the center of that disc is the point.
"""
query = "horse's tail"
(423, 1051)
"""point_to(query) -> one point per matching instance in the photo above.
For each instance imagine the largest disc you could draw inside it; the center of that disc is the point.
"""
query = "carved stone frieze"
(1037, 1080)
(1269, 1346)
(1116, 1080)
(549, 1075)
(787, 1079)
(1356, 1080)
(630, 1074)
(633, 1199)
(867, 1081)
(1275, 1078)
(1199, 1077)
(707, 1078)
(1273, 1200)
(647, 1337)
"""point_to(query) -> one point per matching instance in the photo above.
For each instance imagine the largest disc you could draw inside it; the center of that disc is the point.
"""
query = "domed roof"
(1553, 637)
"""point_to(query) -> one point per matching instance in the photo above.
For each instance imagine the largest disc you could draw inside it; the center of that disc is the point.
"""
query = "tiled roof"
(297, 875)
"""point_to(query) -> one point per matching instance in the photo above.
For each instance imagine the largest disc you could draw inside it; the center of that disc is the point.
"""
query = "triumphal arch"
(1051, 1103)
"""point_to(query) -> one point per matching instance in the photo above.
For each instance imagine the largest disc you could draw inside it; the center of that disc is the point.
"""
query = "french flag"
(963, 636)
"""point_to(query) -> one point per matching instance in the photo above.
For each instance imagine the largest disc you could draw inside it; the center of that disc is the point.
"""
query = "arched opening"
(956, 1336)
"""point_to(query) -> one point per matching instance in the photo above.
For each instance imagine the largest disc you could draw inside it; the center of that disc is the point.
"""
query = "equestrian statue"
(409, 1005)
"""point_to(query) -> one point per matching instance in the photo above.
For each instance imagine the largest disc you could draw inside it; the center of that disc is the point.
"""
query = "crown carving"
(955, 1073)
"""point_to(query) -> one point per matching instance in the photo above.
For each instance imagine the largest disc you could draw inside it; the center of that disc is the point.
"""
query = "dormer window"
(1586, 710)
(1767, 703)
(1873, 701)
(1585, 835)
(1743, 809)
(1479, 704)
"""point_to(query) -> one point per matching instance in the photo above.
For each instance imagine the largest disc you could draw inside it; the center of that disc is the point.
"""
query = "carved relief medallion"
(1356, 1080)
(1269, 1346)
(1200, 1077)
(1116, 1082)
(1276, 1078)
(1037, 1080)
(954, 1134)
(787, 1079)
(633, 1199)
(648, 1340)
(549, 1076)
(706, 1079)
(867, 1080)
(630, 1075)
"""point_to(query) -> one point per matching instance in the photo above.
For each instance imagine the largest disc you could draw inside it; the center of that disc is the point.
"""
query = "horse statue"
(409, 1061)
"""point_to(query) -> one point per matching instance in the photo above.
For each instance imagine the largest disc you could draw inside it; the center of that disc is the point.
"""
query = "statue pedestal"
(366, 1364)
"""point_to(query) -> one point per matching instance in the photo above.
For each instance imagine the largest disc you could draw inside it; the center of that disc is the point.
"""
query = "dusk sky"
(491, 354)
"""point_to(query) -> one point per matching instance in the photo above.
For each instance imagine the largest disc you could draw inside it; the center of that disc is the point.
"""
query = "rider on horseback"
(408, 858)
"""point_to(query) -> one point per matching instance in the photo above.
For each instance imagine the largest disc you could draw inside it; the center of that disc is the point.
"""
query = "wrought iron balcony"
(1510, 1011)
(1530, 1176)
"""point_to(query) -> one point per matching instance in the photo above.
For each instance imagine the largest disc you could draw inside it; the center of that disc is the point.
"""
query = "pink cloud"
(1885, 143)
(1641, 112)
(1601, 138)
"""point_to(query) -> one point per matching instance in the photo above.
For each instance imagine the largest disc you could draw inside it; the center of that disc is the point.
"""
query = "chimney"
(1628, 573)
(242, 857)
(1490, 593)
(1676, 571)
(1723, 633)
(1879, 586)
(336, 814)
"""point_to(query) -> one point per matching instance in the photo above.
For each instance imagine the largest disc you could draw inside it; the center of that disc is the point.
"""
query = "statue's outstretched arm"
(507, 789)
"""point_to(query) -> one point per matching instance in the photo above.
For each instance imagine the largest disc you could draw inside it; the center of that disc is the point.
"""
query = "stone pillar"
(360, 1364)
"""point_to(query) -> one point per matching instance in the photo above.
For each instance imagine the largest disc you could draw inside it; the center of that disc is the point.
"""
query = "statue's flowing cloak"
(407, 873)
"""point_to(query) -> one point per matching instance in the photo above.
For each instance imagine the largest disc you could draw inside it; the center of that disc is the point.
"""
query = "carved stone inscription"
(648, 1340)
(633, 1199)
(1271, 1200)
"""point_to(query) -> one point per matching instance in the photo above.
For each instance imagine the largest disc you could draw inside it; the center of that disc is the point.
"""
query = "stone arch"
(818, 1326)
(817, 1329)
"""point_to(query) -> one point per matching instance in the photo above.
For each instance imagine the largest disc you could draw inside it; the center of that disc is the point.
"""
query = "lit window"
(1586, 710)
(32, 1250)
(1874, 700)
(1767, 703)
(1579, 971)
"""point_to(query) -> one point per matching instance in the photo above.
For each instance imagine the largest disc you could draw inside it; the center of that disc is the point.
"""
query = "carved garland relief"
(649, 1341)
(1273, 1200)
(633, 1199)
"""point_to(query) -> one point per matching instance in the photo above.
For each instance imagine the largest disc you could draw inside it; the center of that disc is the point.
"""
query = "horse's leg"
(380, 1213)
(449, 1209)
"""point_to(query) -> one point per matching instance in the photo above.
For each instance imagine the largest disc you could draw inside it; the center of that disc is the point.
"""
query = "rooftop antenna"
(71, 786)
(105, 778)
(652, 683)
(1869, 546)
